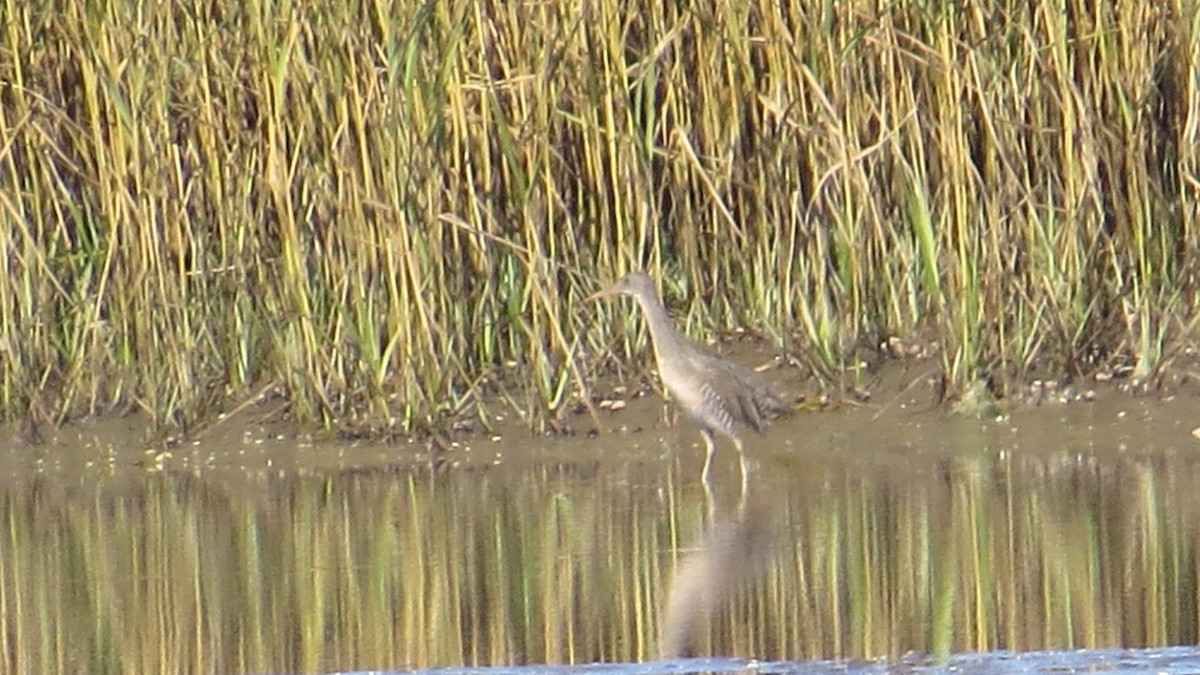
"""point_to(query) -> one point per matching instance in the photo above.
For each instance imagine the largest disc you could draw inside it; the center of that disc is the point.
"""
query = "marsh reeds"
(389, 209)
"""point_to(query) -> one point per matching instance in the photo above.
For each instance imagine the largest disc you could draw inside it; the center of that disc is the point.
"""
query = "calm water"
(1169, 661)
(856, 557)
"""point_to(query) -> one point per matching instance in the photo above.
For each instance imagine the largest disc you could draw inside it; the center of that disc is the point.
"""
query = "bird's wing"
(745, 395)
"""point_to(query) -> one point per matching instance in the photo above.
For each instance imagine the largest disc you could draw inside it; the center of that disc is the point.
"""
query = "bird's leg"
(737, 443)
(711, 502)
(711, 446)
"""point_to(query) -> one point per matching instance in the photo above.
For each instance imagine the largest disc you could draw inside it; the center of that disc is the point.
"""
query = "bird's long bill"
(601, 294)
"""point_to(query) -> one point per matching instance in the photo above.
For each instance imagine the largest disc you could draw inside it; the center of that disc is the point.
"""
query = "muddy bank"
(892, 418)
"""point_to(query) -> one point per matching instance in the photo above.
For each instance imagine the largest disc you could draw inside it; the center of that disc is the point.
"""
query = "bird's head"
(636, 284)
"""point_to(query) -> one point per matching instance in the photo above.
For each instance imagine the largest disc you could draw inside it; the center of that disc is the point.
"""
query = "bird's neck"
(662, 329)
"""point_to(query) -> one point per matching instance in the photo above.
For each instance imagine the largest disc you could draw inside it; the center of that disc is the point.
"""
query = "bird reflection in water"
(733, 554)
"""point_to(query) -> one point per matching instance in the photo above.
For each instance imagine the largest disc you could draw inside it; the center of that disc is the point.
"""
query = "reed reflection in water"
(572, 563)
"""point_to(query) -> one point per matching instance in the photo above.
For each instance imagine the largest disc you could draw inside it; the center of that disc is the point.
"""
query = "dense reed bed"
(389, 211)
